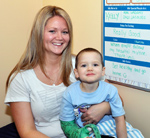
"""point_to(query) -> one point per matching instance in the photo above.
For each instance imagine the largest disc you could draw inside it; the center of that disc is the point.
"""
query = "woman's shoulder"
(73, 60)
(72, 76)
(25, 73)
(73, 56)
(22, 75)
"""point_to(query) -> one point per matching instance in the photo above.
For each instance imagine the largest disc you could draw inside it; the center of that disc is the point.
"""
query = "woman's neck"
(52, 61)
(52, 70)
(52, 65)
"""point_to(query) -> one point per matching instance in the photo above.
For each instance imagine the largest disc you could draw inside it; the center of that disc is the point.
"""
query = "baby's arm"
(121, 127)
(72, 130)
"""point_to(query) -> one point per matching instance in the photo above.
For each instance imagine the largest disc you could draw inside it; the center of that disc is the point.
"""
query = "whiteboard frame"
(102, 48)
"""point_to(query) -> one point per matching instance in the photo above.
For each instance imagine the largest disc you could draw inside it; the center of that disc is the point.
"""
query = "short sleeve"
(116, 104)
(17, 91)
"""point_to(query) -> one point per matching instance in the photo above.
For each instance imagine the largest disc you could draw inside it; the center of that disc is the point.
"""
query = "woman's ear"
(103, 71)
(76, 73)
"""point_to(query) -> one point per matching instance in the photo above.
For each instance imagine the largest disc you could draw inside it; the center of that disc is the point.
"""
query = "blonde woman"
(36, 84)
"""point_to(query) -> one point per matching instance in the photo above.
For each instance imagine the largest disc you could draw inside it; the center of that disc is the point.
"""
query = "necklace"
(54, 81)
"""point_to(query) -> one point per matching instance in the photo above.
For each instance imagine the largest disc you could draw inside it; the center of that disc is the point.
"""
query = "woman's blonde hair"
(34, 52)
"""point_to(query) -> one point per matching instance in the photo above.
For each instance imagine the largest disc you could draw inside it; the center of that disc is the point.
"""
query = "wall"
(16, 20)
(15, 24)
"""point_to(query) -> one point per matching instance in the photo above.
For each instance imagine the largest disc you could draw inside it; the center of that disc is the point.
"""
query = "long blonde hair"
(34, 52)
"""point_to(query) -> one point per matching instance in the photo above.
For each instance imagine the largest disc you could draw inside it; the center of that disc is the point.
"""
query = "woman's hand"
(95, 113)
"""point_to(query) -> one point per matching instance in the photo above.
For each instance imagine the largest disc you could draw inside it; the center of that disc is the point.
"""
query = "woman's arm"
(23, 118)
(95, 113)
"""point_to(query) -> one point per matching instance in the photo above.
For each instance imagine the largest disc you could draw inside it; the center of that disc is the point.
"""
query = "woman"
(35, 85)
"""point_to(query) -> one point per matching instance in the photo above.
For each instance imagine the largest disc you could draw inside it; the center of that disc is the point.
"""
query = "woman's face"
(56, 35)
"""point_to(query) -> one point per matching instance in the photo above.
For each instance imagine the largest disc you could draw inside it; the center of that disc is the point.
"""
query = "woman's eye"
(52, 31)
(65, 32)
(83, 65)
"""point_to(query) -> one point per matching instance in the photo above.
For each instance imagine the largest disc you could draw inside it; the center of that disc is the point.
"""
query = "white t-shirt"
(45, 100)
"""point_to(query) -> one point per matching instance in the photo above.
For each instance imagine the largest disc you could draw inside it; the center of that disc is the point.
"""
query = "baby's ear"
(76, 73)
(103, 71)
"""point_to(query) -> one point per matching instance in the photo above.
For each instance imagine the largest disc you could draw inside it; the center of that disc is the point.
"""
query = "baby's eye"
(95, 65)
(84, 65)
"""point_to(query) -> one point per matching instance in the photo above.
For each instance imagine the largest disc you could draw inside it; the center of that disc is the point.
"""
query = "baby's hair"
(88, 50)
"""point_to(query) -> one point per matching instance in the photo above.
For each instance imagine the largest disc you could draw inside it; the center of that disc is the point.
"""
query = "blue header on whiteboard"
(127, 61)
(128, 8)
(123, 40)
(127, 25)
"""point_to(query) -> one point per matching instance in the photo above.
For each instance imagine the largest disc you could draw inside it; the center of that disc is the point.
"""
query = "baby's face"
(89, 68)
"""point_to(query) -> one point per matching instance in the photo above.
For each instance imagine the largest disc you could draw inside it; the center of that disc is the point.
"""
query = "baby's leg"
(132, 132)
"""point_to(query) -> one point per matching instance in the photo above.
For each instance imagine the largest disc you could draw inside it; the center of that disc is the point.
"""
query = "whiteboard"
(126, 42)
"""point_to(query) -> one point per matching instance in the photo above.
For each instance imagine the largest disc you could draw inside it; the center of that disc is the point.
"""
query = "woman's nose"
(59, 35)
